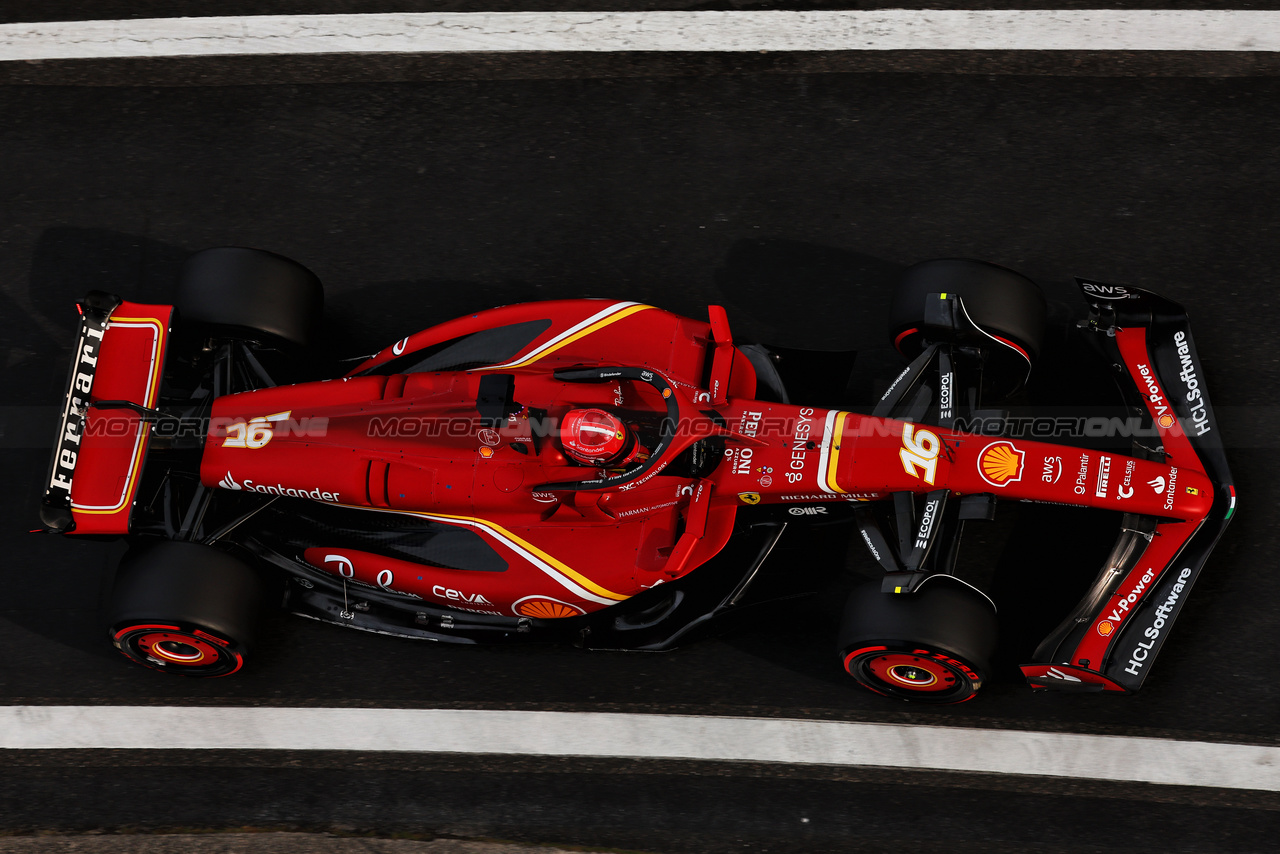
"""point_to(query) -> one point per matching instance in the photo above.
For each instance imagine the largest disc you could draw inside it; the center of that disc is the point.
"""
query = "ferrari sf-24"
(611, 474)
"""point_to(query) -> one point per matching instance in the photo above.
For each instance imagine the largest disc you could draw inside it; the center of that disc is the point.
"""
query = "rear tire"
(1004, 304)
(185, 608)
(931, 646)
(250, 293)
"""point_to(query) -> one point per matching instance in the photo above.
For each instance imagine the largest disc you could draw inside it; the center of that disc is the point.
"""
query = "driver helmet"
(598, 438)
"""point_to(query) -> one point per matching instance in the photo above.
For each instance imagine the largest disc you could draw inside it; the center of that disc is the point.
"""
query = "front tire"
(184, 608)
(931, 646)
(1005, 305)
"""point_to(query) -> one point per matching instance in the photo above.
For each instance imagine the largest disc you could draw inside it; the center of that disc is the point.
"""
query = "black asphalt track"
(793, 199)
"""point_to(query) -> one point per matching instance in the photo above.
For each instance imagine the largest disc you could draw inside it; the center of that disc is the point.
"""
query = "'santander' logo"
(229, 482)
(1000, 463)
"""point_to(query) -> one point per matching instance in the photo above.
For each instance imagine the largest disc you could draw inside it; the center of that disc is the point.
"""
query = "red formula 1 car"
(611, 474)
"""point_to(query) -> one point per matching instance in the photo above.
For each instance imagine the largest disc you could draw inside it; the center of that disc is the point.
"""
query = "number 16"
(919, 453)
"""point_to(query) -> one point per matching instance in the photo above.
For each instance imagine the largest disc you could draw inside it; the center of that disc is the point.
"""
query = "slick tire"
(1004, 304)
(185, 608)
(250, 293)
(931, 646)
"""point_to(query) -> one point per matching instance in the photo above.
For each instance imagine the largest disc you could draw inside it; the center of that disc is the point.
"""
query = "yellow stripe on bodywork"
(557, 564)
(594, 591)
(834, 454)
(148, 400)
(153, 385)
(577, 336)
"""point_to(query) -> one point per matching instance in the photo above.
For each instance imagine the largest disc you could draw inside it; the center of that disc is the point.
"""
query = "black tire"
(250, 293)
(1001, 302)
(931, 646)
(185, 608)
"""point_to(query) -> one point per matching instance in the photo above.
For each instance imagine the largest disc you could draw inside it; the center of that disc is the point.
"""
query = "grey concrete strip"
(253, 843)
(892, 29)
(517, 733)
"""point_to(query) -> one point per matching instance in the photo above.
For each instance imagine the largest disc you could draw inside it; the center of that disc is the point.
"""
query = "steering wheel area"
(679, 410)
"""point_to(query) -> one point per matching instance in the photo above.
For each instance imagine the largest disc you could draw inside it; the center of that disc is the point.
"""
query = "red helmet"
(597, 438)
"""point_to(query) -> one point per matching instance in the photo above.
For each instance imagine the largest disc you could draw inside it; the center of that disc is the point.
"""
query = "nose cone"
(1154, 489)
(1189, 495)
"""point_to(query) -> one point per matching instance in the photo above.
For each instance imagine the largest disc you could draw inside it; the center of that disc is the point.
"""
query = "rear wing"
(1114, 635)
(98, 454)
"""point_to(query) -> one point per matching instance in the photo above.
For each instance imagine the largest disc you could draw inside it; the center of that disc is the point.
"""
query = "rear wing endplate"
(98, 454)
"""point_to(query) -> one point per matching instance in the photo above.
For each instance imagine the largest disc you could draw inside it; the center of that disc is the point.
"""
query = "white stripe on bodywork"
(551, 572)
(143, 429)
(573, 330)
(827, 440)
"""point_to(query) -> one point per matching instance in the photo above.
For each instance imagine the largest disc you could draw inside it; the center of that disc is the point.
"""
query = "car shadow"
(367, 318)
(806, 295)
(67, 262)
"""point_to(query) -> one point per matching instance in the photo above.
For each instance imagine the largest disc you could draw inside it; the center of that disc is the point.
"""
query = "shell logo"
(545, 608)
(1166, 421)
(1105, 628)
(1000, 463)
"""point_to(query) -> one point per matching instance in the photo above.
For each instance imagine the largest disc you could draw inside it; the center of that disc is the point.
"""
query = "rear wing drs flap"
(1112, 638)
(98, 453)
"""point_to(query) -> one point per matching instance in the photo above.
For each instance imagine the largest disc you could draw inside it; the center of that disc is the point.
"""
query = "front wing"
(1112, 639)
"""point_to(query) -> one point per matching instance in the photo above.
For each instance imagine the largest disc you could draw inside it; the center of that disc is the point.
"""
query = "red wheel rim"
(177, 648)
(174, 649)
(911, 672)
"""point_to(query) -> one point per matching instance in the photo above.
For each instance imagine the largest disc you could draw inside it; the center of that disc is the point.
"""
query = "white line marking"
(1045, 754)
(886, 29)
